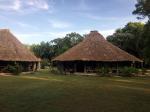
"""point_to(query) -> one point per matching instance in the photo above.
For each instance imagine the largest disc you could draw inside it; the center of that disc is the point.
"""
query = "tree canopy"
(60, 45)
(142, 8)
(129, 38)
(48, 50)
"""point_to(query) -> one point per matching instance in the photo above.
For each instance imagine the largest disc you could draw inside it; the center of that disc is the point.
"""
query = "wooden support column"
(38, 65)
(29, 66)
(141, 64)
(84, 67)
(133, 64)
(75, 67)
(117, 69)
(34, 66)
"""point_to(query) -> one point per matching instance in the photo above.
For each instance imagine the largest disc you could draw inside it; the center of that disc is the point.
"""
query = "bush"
(103, 71)
(128, 71)
(16, 69)
(54, 70)
(143, 71)
(44, 63)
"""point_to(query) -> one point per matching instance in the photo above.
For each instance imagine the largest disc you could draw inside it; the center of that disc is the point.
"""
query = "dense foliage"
(135, 37)
(143, 9)
(128, 71)
(60, 45)
(16, 69)
(48, 50)
(129, 38)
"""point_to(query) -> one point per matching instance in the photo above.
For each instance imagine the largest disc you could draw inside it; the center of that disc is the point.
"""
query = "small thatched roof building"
(13, 51)
(94, 51)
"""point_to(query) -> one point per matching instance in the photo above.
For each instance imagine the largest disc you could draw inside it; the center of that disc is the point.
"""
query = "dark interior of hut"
(93, 66)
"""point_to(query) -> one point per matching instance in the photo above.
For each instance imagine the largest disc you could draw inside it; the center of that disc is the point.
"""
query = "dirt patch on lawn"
(5, 74)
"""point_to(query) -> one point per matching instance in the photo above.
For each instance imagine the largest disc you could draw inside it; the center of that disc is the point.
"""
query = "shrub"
(54, 70)
(103, 71)
(44, 63)
(143, 71)
(16, 69)
(128, 71)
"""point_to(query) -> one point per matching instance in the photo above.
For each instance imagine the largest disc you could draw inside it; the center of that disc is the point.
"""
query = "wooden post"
(34, 66)
(142, 65)
(133, 64)
(29, 66)
(39, 65)
(75, 67)
(84, 68)
(117, 69)
(60, 68)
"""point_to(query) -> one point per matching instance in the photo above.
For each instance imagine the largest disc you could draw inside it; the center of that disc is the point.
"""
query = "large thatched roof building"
(13, 51)
(94, 51)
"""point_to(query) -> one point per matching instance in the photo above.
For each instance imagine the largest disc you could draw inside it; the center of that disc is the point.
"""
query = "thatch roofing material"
(95, 48)
(12, 49)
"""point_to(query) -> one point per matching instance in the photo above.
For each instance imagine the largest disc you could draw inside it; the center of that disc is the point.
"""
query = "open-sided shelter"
(13, 51)
(92, 53)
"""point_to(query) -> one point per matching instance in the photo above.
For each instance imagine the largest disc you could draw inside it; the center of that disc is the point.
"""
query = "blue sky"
(33, 21)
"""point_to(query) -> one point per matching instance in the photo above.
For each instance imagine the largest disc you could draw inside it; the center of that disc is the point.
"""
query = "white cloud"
(16, 5)
(10, 5)
(26, 5)
(41, 4)
(59, 24)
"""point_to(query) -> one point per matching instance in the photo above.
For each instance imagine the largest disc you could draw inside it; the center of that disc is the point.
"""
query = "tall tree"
(60, 45)
(129, 38)
(143, 9)
(48, 50)
(44, 50)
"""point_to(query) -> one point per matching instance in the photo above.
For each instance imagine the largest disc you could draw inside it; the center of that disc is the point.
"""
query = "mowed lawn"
(45, 92)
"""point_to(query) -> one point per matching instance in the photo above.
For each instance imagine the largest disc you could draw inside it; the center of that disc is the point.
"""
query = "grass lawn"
(44, 92)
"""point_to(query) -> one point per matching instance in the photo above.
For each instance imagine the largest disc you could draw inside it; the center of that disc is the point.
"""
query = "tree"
(44, 50)
(129, 38)
(60, 45)
(142, 8)
(48, 50)
(146, 36)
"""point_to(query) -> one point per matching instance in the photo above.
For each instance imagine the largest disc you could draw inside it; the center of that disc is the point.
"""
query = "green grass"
(44, 92)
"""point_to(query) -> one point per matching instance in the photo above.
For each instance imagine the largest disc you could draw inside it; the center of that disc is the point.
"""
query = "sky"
(33, 21)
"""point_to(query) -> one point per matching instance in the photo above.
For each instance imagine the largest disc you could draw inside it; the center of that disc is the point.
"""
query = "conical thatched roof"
(12, 49)
(95, 48)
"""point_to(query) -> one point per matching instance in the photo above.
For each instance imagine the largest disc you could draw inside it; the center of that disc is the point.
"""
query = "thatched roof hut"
(12, 50)
(94, 48)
